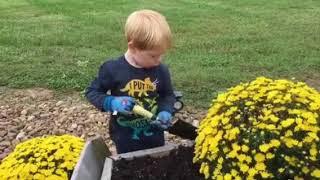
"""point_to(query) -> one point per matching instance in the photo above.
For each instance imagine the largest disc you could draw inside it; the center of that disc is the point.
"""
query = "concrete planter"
(91, 161)
(96, 162)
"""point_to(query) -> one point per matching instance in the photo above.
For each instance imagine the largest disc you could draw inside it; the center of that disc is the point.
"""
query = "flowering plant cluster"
(51, 157)
(262, 129)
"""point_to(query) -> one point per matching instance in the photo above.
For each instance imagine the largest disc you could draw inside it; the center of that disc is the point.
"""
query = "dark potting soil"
(176, 166)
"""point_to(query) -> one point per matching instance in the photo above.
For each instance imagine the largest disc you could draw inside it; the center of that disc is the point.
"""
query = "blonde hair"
(148, 29)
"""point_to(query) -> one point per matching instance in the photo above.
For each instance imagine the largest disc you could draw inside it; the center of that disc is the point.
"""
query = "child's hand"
(122, 104)
(164, 120)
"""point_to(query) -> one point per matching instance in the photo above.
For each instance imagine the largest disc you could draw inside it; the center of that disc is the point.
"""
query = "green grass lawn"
(60, 44)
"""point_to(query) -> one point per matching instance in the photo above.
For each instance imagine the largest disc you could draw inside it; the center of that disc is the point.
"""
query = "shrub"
(52, 157)
(262, 129)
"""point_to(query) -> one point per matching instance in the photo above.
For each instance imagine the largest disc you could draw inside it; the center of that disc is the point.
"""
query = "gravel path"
(29, 113)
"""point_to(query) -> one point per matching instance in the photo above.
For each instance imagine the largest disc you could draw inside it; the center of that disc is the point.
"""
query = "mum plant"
(51, 157)
(262, 129)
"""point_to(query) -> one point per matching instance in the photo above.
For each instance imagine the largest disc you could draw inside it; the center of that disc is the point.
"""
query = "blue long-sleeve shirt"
(151, 88)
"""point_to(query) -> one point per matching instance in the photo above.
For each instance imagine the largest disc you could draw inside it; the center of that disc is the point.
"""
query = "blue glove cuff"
(166, 112)
(107, 103)
(166, 115)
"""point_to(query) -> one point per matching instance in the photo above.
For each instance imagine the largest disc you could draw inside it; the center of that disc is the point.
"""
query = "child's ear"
(131, 47)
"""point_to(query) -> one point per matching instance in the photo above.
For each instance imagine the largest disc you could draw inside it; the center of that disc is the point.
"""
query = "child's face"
(148, 58)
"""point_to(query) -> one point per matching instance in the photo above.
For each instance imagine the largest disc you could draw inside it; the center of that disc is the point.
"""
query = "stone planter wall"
(96, 162)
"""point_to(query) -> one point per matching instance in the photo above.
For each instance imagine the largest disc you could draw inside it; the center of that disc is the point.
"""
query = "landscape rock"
(25, 114)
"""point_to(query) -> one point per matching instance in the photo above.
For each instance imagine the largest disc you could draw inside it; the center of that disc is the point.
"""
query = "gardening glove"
(163, 120)
(121, 104)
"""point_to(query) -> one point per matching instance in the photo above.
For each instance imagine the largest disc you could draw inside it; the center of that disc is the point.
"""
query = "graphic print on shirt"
(141, 87)
(140, 124)
(141, 90)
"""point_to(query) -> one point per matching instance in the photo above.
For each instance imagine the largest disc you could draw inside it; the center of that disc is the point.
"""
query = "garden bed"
(175, 164)
(171, 161)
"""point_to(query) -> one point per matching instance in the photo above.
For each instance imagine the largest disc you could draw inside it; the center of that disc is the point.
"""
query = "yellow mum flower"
(39, 176)
(281, 170)
(289, 133)
(225, 120)
(248, 159)
(206, 170)
(264, 147)
(244, 167)
(269, 156)
(207, 130)
(313, 151)
(275, 143)
(234, 172)
(265, 174)
(271, 127)
(252, 172)
(226, 149)
(313, 135)
(316, 173)
(291, 142)
(244, 148)
(259, 157)
(54, 177)
(305, 170)
(241, 157)
(288, 122)
(227, 177)
(219, 177)
(273, 118)
(235, 147)
(232, 154)
(260, 166)
(33, 168)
